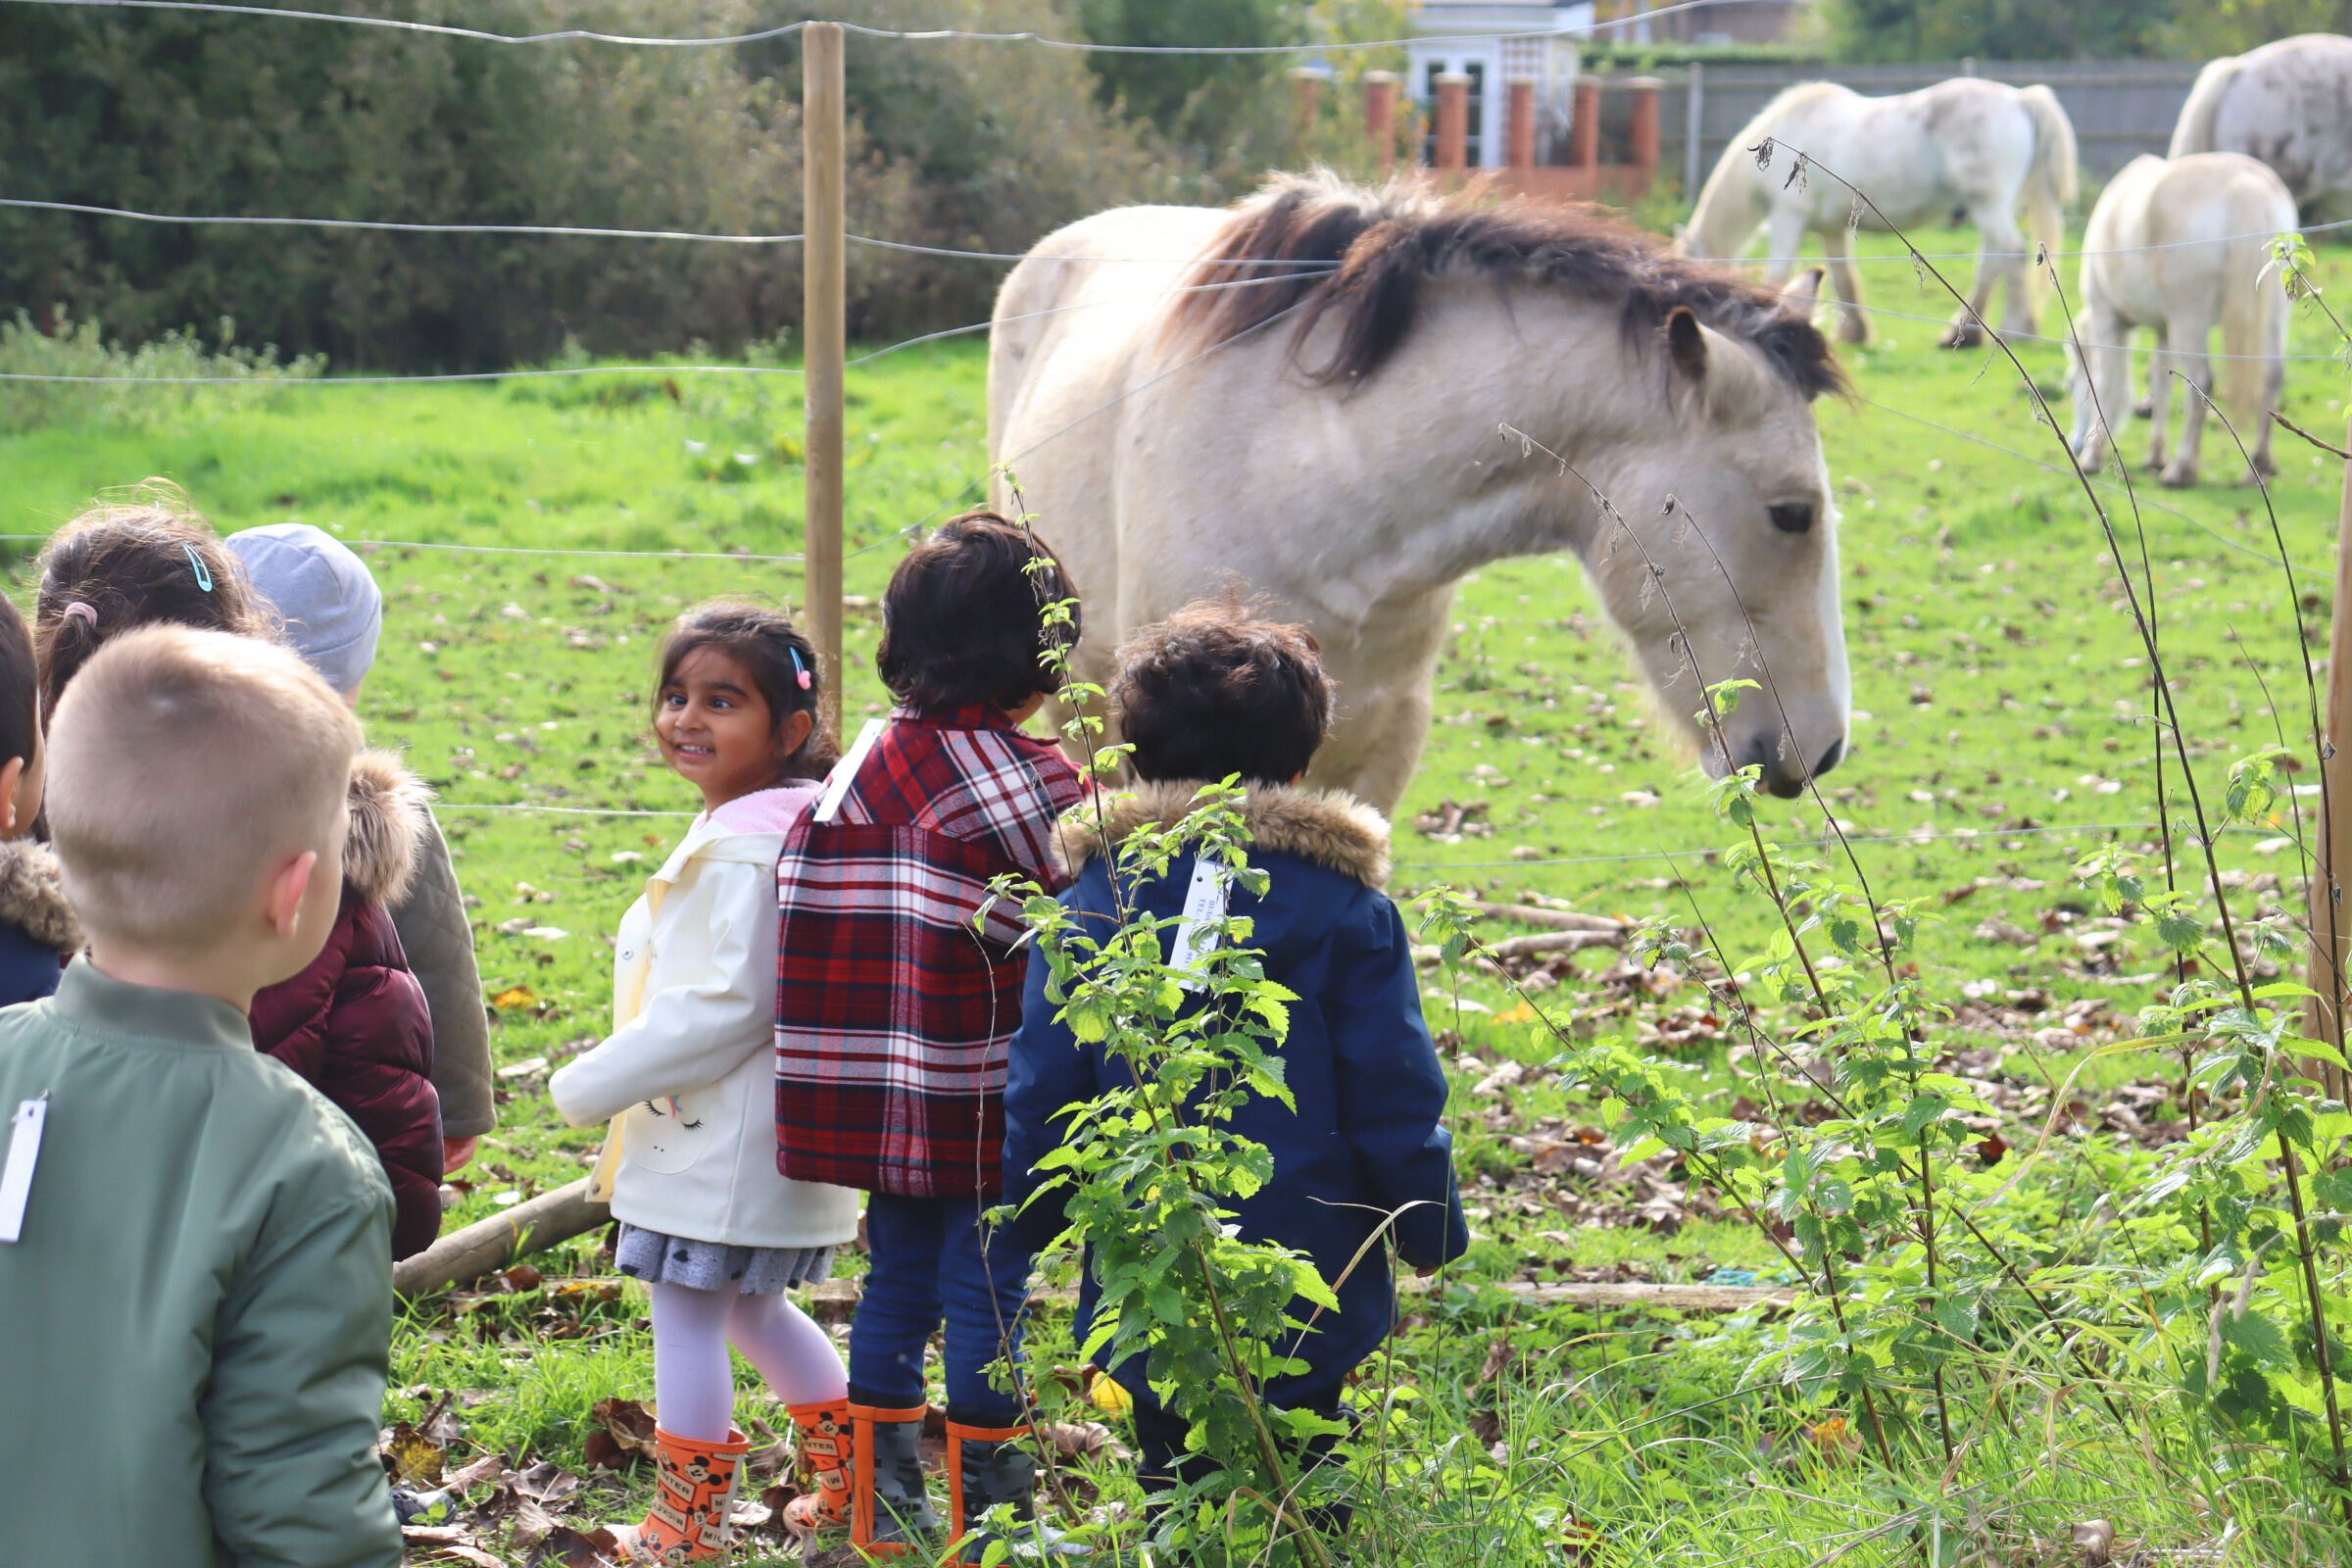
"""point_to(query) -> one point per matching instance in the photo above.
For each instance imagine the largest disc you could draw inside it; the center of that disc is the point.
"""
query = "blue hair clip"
(204, 579)
(806, 680)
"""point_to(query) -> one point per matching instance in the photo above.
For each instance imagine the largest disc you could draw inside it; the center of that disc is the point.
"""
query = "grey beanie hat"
(324, 594)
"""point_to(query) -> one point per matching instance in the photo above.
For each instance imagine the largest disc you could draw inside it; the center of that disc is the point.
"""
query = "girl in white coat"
(687, 1080)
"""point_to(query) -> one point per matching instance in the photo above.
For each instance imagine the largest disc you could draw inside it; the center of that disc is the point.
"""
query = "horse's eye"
(1792, 517)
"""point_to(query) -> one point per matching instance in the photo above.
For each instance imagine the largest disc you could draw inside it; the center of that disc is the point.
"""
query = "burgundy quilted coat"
(354, 1025)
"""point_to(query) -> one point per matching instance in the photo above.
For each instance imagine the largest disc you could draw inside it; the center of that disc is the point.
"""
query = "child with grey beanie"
(333, 614)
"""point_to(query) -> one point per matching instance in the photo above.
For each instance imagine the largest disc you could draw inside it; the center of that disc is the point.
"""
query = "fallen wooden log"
(835, 1301)
(488, 1245)
(1550, 918)
(1529, 946)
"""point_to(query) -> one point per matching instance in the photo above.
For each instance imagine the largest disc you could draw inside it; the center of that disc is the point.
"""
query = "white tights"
(694, 1383)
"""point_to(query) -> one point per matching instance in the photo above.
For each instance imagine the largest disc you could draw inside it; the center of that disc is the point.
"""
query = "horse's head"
(1730, 572)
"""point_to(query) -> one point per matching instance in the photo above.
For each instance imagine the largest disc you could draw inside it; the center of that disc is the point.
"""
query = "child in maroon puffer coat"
(355, 1025)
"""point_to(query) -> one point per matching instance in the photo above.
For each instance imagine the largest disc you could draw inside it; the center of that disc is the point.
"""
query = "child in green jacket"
(192, 1241)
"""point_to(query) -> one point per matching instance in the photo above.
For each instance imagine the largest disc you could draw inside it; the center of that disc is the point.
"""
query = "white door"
(1484, 67)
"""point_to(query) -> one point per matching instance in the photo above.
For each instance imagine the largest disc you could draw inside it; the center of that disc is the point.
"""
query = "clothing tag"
(836, 783)
(15, 1178)
(1205, 904)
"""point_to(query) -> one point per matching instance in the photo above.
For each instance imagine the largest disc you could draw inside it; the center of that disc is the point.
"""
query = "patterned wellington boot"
(823, 1433)
(889, 1508)
(693, 1490)
(987, 1466)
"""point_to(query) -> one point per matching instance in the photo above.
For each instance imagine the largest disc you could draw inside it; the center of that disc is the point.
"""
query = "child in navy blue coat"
(1207, 696)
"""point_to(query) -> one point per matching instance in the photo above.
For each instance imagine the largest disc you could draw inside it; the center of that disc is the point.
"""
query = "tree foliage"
(1994, 29)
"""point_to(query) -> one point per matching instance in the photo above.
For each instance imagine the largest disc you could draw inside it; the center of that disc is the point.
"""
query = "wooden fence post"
(823, 334)
(2331, 911)
(1695, 121)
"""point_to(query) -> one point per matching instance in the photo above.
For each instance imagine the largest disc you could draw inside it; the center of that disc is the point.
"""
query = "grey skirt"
(659, 1260)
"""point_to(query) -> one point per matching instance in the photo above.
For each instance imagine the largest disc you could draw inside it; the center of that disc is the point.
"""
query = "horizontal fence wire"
(697, 236)
(1868, 308)
(900, 35)
(2147, 503)
(41, 378)
(1918, 836)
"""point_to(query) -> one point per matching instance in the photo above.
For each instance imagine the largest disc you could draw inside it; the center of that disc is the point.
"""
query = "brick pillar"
(1453, 122)
(1380, 117)
(1522, 139)
(1584, 131)
(1644, 137)
(1306, 88)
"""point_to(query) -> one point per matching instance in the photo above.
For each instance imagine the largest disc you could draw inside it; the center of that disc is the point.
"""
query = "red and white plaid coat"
(894, 1013)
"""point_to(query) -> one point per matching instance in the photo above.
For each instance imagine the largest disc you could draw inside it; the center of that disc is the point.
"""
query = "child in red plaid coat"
(897, 999)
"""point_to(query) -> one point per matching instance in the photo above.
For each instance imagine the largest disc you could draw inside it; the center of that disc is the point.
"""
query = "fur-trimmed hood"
(1329, 827)
(32, 897)
(388, 824)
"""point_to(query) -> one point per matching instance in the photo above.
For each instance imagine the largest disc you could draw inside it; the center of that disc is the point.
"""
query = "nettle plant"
(1146, 1173)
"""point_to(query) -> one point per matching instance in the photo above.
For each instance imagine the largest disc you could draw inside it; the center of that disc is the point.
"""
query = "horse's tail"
(2049, 182)
(2254, 303)
(2193, 131)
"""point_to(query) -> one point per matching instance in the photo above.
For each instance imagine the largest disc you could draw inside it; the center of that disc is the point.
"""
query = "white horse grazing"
(2183, 245)
(1960, 144)
(1325, 433)
(2288, 104)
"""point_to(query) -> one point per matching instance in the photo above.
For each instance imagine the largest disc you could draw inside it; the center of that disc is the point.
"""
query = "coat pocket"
(667, 1135)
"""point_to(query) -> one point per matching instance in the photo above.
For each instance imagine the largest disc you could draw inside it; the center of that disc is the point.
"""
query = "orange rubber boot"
(888, 1507)
(823, 1439)
(696, 1484)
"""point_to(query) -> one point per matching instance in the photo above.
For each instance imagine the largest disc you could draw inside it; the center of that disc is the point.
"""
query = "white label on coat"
(836, 783)
(1205, 904)
(15, 1178)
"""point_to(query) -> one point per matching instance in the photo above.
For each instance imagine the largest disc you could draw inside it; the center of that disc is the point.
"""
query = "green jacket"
(195, 1324)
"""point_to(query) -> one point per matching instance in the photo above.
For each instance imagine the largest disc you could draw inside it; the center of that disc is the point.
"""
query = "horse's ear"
(1805, 293)
(1687, 342)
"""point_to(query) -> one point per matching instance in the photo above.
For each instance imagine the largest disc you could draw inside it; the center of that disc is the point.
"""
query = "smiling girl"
(687, 1081)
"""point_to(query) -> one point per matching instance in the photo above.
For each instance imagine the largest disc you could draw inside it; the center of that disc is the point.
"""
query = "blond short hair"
(184, 766)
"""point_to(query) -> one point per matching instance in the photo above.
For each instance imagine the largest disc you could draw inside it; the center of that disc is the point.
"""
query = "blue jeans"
(928, 1262)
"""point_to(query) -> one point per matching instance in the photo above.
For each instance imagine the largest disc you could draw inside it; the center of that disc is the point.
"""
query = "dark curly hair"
(138, 560)
(1216, 690)
(767, 647)
(962, 620)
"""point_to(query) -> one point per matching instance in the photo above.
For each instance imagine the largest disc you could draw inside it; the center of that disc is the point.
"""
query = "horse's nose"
(1784, 781)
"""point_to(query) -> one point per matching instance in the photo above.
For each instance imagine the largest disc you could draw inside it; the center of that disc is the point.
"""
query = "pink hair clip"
(806, 680)
(77, 610)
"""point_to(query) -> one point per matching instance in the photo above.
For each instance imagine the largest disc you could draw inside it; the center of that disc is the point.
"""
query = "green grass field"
(2001, 733)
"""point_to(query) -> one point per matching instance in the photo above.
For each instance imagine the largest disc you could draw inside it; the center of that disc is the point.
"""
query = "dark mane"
(1386, 241)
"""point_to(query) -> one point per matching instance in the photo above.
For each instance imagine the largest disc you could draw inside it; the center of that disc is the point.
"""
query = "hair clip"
(77, 610)
(204, 579)
(806, 680)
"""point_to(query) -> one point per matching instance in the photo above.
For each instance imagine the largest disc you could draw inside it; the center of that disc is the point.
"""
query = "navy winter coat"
(1367, 1138)
(37, 930)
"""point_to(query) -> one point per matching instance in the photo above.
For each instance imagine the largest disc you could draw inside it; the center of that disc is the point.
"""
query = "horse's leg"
(2147, 396)
(1784, 237)
(2160, 398)
(2187, 341)
(2103, 380)
(1965, 332)
(2273, 384)
(1854, 322)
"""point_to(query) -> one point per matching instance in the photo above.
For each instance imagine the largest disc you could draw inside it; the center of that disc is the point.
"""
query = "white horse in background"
(1317, 421)
(1964, 144)
(2288, 104)
(2155, 256)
